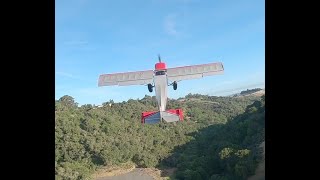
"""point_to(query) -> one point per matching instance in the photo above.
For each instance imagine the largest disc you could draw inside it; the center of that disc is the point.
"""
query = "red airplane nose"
(160, 66)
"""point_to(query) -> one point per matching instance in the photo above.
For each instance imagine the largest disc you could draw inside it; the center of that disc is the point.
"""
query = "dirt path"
(136, 174)
(142, 174)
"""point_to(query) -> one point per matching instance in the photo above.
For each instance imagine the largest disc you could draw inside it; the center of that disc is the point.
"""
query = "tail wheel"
(175, 85)
(150, 87)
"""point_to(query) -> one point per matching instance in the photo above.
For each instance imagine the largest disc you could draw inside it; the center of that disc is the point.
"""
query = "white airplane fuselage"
(161, 86)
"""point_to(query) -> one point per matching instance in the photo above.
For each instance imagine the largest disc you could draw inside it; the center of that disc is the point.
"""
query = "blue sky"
(94, 37)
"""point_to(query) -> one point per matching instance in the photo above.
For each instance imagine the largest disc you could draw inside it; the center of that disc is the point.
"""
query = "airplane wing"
(194, 72)
(126, 79)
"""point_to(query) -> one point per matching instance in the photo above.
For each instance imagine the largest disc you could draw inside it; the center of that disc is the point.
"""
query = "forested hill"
(218, 140)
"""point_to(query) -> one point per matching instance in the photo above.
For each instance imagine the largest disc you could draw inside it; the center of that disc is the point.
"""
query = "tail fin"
(172, 115)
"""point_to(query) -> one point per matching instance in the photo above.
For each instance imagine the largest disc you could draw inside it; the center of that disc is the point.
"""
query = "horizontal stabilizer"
(172, 115)
(151, 117)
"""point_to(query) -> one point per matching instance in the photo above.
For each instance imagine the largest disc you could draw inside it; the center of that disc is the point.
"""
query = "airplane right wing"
(194, 72)
(126, 79)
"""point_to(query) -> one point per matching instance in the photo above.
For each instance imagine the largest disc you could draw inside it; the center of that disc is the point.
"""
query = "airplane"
(159, 79)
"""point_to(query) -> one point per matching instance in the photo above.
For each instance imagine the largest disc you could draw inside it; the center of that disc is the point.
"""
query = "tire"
(175, 85)
(150, 87)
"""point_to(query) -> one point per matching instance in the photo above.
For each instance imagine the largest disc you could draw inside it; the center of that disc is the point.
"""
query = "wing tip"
(100, 81)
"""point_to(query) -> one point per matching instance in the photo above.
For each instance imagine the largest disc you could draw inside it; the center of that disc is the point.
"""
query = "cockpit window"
(160, 73)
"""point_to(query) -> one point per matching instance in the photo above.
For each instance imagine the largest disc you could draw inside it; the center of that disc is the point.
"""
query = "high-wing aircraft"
(159, 79)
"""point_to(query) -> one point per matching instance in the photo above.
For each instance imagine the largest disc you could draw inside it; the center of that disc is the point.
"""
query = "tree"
(68, 101)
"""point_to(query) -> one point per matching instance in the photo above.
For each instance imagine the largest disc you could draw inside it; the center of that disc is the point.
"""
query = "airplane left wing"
(194, 72)
(126, 79)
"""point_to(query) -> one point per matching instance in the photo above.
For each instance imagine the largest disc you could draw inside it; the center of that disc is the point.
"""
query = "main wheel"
(150, 87)
(175, 85)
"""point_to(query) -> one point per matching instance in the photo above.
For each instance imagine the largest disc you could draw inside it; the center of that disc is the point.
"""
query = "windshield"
(160, 73)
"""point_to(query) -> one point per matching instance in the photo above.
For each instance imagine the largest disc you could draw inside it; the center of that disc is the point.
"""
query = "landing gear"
(175, 85)
(150, 87)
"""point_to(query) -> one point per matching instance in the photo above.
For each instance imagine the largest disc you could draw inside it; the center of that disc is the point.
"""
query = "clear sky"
(94, 37)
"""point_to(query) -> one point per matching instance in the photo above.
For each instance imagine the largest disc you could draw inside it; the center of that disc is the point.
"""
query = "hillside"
(218, 140)
(250, 92)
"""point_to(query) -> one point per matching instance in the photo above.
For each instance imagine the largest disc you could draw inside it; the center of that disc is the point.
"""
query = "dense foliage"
(223, 151)
(217, 140)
